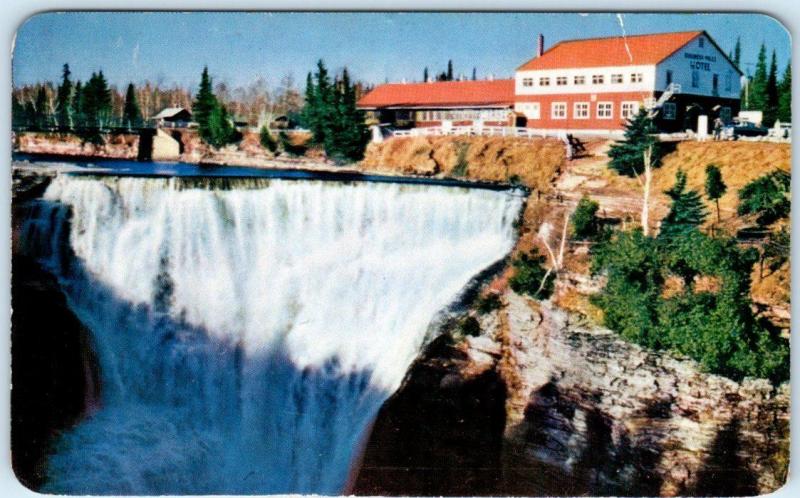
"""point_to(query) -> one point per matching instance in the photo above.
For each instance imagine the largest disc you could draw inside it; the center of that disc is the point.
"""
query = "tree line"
(42, 105)
(445, 75)
(766, 91)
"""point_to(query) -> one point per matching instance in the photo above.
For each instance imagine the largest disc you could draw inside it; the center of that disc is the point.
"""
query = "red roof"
(598, 52)
(441, 94)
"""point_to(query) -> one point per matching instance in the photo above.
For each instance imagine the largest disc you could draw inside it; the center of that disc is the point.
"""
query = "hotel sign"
(698, 61)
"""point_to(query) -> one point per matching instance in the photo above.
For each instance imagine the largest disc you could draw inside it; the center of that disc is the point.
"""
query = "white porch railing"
(490, 131)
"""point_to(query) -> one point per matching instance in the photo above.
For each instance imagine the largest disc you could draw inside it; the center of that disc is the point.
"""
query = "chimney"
(539, 45)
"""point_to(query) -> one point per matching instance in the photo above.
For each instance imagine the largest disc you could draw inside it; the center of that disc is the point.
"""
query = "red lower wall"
(593, 122)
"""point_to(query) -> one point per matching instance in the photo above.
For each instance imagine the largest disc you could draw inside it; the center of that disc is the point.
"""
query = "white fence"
(486, 131)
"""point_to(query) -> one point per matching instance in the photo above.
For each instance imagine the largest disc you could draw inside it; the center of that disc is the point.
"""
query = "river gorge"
(268, 334)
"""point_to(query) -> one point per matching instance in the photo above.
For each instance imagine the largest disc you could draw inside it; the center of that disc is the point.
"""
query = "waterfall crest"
(248, 336)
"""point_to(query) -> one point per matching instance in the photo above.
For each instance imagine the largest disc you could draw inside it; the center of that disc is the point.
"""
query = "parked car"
(738, 129)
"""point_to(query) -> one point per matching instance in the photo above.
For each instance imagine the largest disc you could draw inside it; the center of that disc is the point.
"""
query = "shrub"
(584, 220)
(470, 326)
(768, 197)
(488, 303)
(530, 276)
(267, 140)
(461, 166)
(289, 147)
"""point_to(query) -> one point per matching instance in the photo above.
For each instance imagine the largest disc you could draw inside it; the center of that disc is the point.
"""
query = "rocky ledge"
(544, 403)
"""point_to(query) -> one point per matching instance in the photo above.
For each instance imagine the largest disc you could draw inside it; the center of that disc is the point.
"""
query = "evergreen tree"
(131, 114)
(204, 104)
(97, 105)
(584, 220)
(714, 186)
(627, 156)
(19, 118)
(310, 104)
(78, 99)
(474, 74)
(785, 96)
(42, 110)
(213, 122)
(450, 70)
(64, 100)
(768, 197)
(737, 52)
(757, 92)
(267, 140)
(687, 211)
(425, 74)
(771, 91)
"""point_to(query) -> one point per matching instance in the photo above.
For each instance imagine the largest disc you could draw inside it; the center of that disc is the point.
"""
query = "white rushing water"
(248, 335)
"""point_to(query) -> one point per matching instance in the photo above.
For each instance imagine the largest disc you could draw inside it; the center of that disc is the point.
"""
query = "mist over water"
(247, 335)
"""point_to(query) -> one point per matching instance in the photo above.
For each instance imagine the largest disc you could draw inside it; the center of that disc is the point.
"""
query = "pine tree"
(771, 91)
(757, 99)
(737, 52)
(474, 74)
(42, 110)
(78, 99)
(64, 100)
(204, 104)
(714, 186)
(19, 119)
(213, 122)
(627, 156)
(686, 213)
(785, 96)
(131, 115)
(425, 75)
(450, 70)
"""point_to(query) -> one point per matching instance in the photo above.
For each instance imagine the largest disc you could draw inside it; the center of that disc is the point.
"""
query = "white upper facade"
(699, 67)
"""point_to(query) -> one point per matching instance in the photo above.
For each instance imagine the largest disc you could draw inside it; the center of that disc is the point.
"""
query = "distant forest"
(256, 103)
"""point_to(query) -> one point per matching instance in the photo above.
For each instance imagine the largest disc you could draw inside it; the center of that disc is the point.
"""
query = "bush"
(290, 148)
(768, 197)
(530, 276)
(716, 327)
(470, 326)
(460, 168)
(488, 303)
(584, 220)
(267, 140)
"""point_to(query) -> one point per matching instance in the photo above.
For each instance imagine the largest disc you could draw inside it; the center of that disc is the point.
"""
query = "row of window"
(597, 79)
(581, 110)
(456, 115)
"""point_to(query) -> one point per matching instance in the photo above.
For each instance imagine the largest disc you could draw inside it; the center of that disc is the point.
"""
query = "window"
(728, 82)
(715, 84)
(558, 110)
(561, 80)
(702, 42)
(605, 110)
(581, 110)
(544, 81)
(616, 78)
(597, 79)
(669, 77)
(530, 110)
(527, 81)
(629, 109)
(636, 77)
(668, 110)
(579, 80)
(695, 78)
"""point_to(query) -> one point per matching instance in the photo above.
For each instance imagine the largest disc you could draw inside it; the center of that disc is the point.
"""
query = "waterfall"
(248, 331)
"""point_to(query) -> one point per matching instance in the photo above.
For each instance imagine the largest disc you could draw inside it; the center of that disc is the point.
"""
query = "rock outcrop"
(583, 412)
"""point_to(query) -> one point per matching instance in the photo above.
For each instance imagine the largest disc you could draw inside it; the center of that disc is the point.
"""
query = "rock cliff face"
(583, 413)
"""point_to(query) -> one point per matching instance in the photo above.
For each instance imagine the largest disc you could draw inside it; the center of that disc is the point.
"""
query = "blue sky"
(241, 47)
